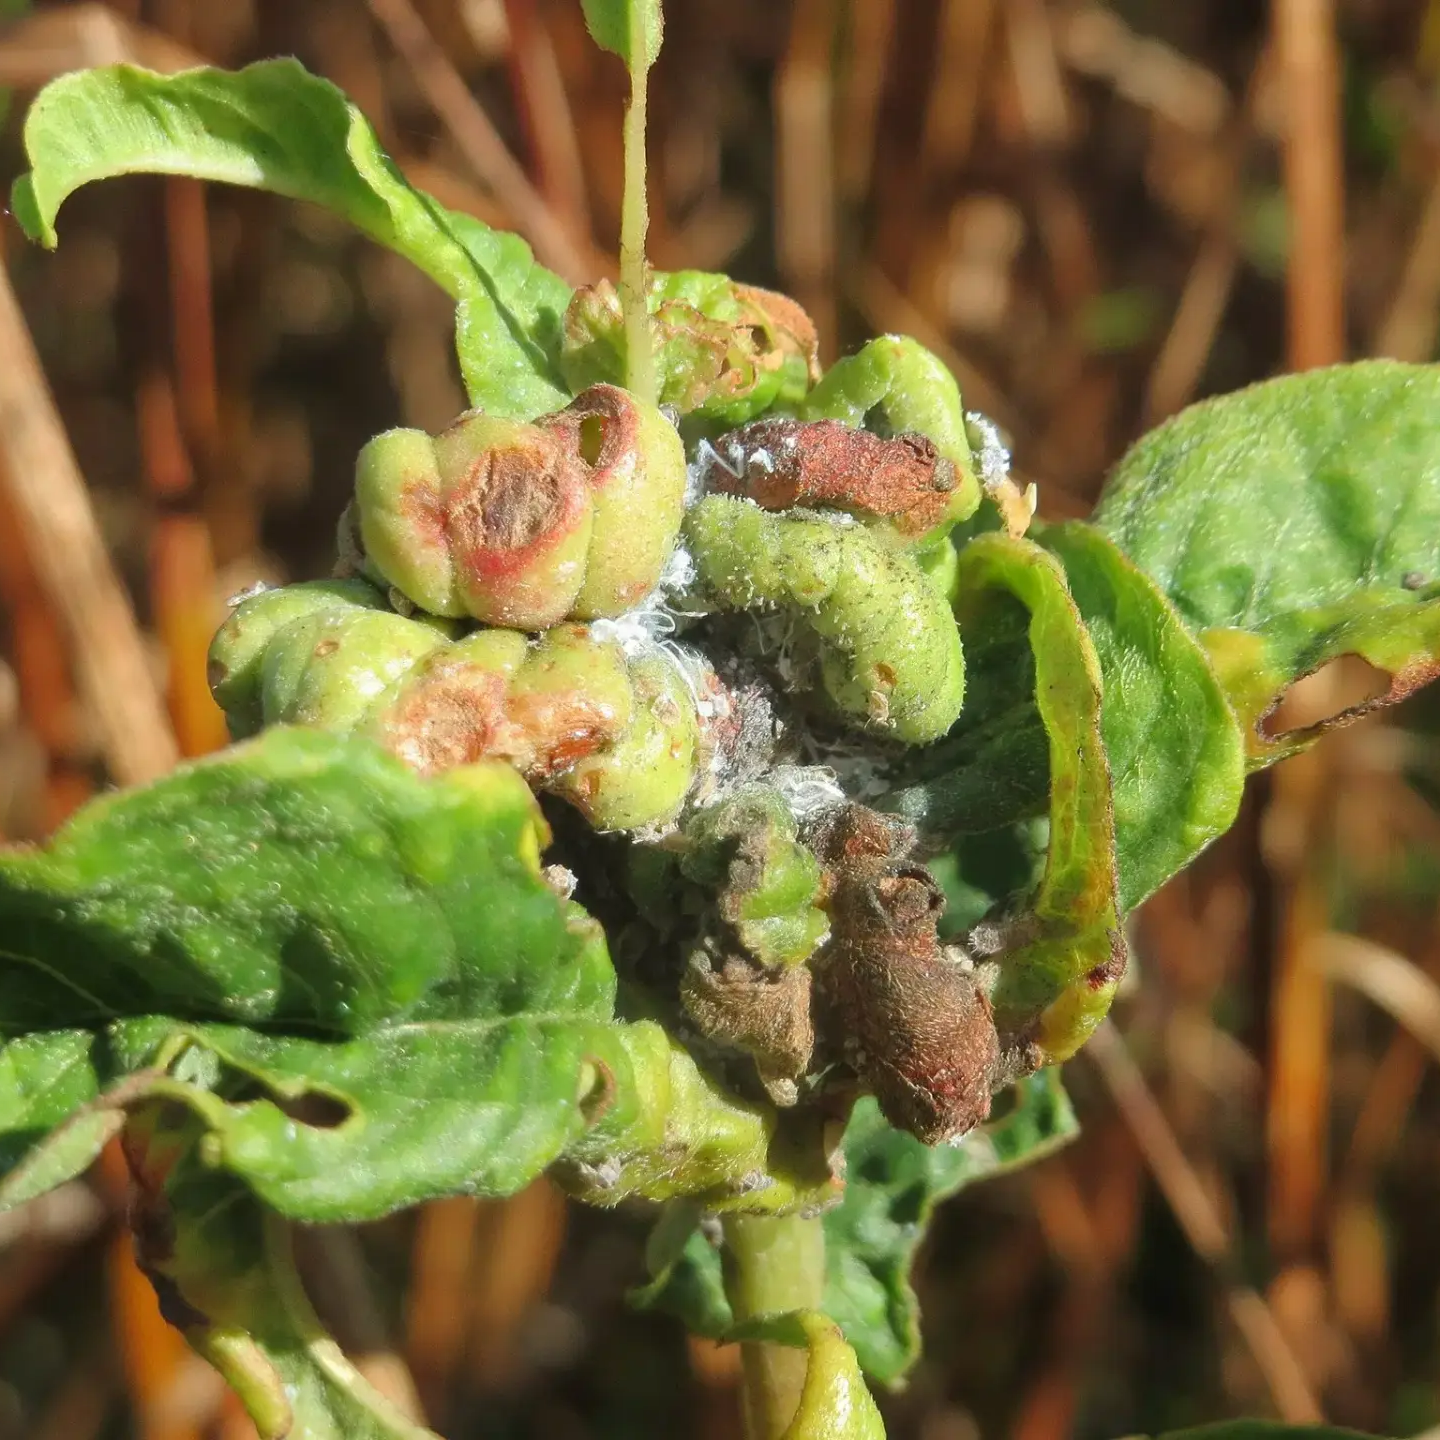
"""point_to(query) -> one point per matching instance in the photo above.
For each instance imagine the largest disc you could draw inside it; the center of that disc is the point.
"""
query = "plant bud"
(724, 353)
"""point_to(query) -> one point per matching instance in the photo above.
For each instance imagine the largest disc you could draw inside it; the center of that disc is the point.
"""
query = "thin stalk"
(634, 221)
(774, 1264)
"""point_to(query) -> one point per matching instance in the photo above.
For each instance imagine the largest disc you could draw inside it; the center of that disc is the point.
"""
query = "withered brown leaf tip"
(911, 1021)
(780, 463)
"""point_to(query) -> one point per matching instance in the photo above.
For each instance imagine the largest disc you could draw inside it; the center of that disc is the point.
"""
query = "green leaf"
(631, 29)
(1029, 743)
(893, 1183)
(1176, 754)
(226, 1278)
(1292, 523)
(508, 326)
(834, 1403)
(374, 996)
(53, 1121)
(274, 126)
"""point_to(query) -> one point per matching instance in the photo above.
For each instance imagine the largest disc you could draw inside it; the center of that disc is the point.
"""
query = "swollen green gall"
(889, 652)
(523, 525)
(622, 738)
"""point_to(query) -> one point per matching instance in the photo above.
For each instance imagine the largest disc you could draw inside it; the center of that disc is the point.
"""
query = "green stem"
(774, 1264)
(634, 221)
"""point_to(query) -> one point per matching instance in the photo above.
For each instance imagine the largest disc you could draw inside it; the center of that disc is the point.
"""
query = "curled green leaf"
(746, 850)
(1063, 959)
(678, 1132)
(618, 736)
(226, 1278)
(1176, 754)
(894, 385)
(1292, 523)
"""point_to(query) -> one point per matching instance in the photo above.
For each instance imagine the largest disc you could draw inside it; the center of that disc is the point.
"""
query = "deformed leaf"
(274, 126)
(724, 352)
(1291, 523)
(1063, 960)
(1176, 754)
(893, 1184)
(374, 996)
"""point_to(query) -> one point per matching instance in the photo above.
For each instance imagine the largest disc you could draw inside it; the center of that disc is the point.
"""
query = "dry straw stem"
(1180, 363)
(1305, 48)
(74, 37)
(1306, 53)
(805, 163)
(548, 116)
(480, 143)
(1193, 1209)
(1389, 980)
(1408, 330)
(51, 502)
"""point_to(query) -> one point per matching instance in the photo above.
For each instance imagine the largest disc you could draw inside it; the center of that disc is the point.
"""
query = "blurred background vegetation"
(1095, 213)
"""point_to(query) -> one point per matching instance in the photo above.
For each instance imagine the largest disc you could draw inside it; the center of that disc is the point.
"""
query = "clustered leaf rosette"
(577, 596)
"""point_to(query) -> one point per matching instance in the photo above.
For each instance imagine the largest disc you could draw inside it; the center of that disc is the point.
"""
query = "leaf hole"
(318, 1109)
(1341, 690)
